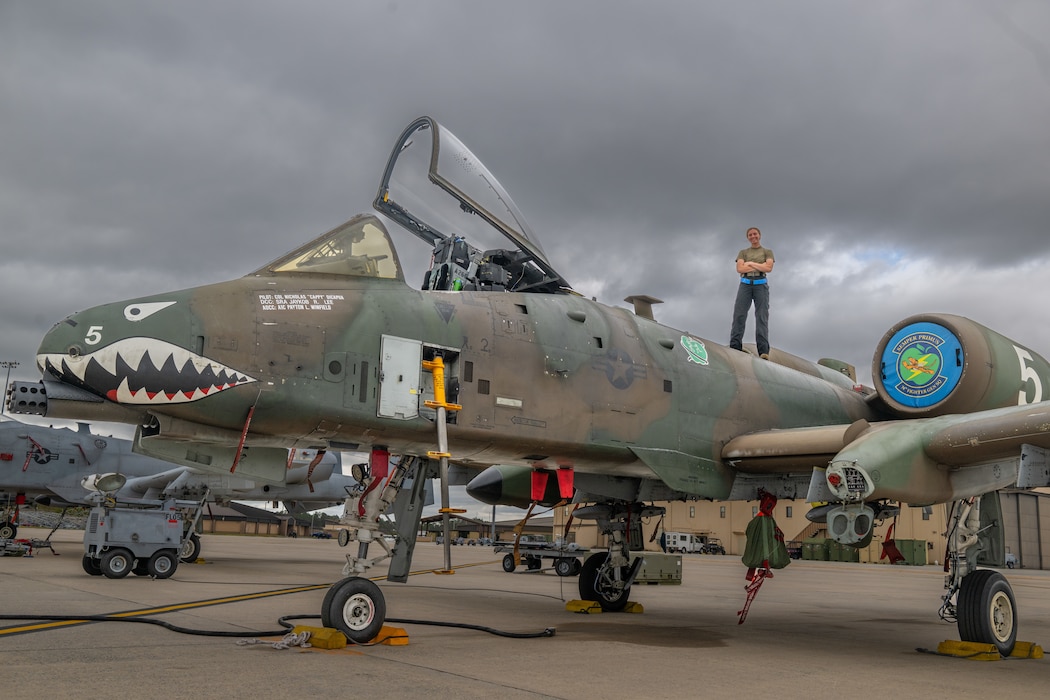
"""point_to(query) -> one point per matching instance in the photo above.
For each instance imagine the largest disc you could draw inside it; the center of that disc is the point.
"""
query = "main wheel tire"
(91, 565)
(356, 607)
(593, 588)
(191, 549)
(8, 531)
(563, 566)
(163, 563)
(987, 611)
(508, 563)
(116, 563)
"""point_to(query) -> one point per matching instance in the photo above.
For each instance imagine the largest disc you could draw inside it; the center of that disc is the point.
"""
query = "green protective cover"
(765, 544)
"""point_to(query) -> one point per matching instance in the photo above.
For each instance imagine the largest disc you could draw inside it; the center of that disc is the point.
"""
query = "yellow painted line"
(57, 624)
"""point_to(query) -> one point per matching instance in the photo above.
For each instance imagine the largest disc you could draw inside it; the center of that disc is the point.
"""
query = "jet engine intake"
(937, 364)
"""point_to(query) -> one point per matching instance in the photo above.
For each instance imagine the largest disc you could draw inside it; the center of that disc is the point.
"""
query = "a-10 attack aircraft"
(49, 466)
(496, 366)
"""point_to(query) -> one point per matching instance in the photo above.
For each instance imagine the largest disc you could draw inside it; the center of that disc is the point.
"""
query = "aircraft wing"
(786, 450)
(918, 461)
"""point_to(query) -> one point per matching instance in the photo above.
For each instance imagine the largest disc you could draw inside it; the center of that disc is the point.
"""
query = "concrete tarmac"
(815, 630)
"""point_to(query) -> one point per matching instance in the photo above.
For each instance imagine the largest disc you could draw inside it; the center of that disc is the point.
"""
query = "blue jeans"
(745, 295)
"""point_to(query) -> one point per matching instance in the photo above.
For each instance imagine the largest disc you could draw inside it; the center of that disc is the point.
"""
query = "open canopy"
(438, 190)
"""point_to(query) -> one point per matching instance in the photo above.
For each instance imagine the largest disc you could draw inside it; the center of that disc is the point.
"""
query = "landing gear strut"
(984, 607)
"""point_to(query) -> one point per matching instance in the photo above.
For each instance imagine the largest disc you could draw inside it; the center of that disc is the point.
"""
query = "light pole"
(8, 365)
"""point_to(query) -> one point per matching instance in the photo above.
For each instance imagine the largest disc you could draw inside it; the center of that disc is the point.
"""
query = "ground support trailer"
(566, 560)
(140, 536)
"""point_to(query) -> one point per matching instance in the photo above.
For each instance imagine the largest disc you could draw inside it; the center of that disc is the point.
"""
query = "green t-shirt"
(755, 255)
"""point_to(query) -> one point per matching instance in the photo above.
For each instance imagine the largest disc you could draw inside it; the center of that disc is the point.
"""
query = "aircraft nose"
(64, 342)
(141, 353)
(65, 350)
(64, 361)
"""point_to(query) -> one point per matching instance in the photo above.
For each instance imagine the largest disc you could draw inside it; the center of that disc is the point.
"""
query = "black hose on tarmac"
(547, 632)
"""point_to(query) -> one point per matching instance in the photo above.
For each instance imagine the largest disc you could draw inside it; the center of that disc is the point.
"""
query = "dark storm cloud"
(893, 153)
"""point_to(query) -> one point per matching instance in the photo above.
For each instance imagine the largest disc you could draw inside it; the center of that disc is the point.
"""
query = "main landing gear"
(984, 607)
(606, 577)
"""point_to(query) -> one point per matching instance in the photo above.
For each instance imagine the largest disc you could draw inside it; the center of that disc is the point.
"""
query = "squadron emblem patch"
(921, 364)
(696, 350)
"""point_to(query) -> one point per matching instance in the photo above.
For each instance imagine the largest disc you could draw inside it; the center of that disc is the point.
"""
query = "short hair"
(753, 228)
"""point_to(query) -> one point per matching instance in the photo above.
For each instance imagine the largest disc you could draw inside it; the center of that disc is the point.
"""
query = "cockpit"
(440, 192)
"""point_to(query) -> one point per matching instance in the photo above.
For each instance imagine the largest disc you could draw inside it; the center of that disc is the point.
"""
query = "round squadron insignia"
(696, 350)
(919, 365)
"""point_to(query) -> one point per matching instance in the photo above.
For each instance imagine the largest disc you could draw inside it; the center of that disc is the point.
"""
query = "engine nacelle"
(937, 364)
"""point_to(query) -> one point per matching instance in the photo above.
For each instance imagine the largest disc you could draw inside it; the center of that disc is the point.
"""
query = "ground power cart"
(144, 537)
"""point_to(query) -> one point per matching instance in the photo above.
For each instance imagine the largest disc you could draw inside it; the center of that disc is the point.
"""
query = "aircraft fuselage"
(322, 359)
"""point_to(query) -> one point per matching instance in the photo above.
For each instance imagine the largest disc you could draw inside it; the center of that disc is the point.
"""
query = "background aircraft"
(47, 466)
(496, 366)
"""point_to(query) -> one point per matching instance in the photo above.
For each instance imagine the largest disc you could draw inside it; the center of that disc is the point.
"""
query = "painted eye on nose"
(137, 312)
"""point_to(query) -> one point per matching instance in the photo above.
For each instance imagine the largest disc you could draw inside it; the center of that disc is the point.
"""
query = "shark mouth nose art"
(144, 371)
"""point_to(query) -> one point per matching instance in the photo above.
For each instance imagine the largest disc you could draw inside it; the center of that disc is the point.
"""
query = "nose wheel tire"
(987, 611)
(356, 607)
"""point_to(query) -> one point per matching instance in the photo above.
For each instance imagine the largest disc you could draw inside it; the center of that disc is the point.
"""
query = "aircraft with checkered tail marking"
(494, 367)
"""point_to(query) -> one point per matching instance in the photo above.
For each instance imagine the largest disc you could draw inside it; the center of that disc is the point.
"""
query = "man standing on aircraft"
(752, 264)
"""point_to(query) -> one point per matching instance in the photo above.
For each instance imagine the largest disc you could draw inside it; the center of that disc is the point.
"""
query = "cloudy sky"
(895, 154)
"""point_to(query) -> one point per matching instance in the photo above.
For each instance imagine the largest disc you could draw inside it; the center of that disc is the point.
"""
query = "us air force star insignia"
(619, 368)
(695, 348)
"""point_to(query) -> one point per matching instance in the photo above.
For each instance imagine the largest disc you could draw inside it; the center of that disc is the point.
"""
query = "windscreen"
(359, 248)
